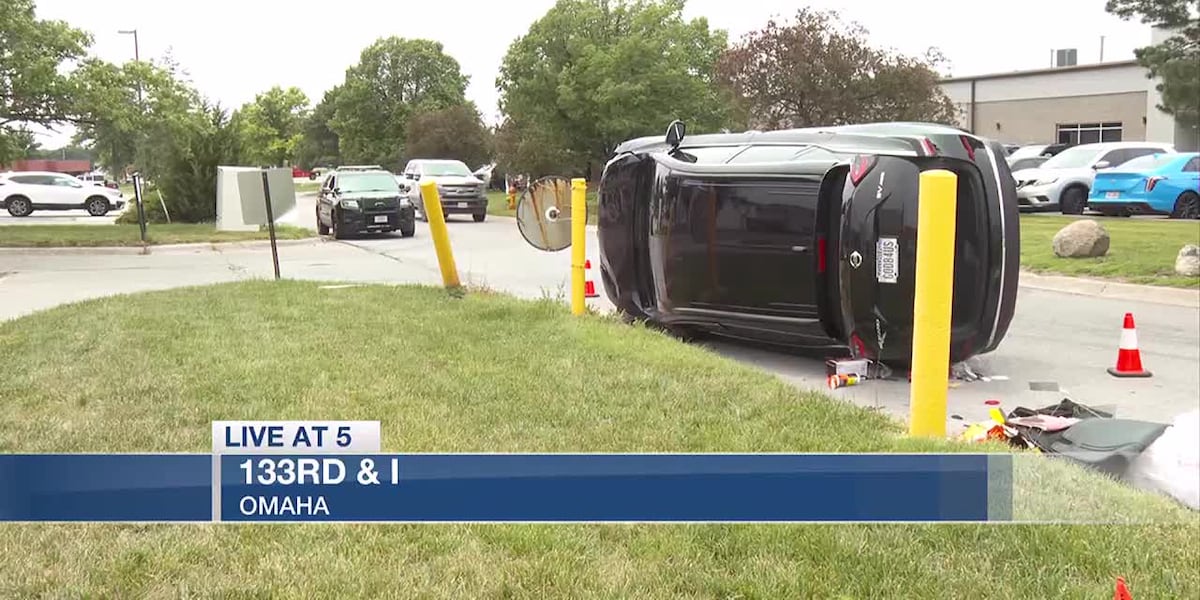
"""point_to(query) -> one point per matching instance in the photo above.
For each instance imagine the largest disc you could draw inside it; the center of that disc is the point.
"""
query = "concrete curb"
(134, 250)
(1099, 288)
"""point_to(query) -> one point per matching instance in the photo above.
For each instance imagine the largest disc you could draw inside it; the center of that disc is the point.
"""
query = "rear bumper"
(464, 206)
(1137, 207)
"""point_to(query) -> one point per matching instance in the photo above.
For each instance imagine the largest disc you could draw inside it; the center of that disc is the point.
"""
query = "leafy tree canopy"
(272, 126)
(1176, 60)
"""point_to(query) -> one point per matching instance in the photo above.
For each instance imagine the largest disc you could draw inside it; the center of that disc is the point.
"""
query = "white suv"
(1065, 180)
(23, 192)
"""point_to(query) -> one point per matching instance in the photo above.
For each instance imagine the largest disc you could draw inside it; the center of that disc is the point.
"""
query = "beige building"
(1106, 102)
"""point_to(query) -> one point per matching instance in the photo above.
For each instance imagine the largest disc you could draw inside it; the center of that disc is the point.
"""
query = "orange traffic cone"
(589, 286)
(1122, 592)
(1129, 358)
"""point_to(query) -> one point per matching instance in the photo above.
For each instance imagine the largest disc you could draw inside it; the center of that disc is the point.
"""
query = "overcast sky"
(235, 49)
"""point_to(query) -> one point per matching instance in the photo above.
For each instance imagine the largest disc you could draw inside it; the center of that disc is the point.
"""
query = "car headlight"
(404, 201)
(350, 204)
(1045, 181)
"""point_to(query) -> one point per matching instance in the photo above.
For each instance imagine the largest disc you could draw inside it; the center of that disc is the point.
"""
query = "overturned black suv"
(359, 200)
(806, 238)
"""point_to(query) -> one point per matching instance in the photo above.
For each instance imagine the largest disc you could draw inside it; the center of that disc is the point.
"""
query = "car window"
(31, 179)
(444, 169)
(66, 182)
(1027, 152)
(1150, 161)
(1073, 158)
(1193, 166)
(1132, 153)
(1115, 157)
(368, 182)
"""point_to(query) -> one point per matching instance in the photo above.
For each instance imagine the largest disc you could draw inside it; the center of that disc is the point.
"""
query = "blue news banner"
(299, 471)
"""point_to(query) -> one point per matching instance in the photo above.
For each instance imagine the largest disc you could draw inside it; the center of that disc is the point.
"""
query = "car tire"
(97, 206)
(1187, 206)
(479, 217)
(1073, 201)
(338, 233)
(322, 229)
(19, 206)
(409, 230)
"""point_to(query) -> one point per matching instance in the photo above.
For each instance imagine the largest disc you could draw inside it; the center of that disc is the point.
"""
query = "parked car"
(460, 191)
(1035, 151)
(1158, 184)
(23, 192)
(363, 201)
(1029, 162)
(1064, 181)
(805, 238)
(99, 179)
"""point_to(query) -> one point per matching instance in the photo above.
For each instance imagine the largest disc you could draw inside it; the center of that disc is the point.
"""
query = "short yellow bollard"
(441, 237)
(512, 197)
(578, 245)
(933, 303)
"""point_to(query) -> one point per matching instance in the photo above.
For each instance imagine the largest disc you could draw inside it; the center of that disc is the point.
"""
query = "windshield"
(441, 169)
(368, 182)
(1148, 162)
(1074, 158)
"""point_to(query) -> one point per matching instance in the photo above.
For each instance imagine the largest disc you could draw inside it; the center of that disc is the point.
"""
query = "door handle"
(799, 248)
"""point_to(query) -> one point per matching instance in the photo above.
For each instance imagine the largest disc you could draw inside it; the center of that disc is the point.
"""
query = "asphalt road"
(1056, 337)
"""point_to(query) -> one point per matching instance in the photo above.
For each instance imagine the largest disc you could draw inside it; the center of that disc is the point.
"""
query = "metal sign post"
(141, 209)
(270, 222)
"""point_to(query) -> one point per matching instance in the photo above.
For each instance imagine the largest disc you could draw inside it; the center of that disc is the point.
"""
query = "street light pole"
(136, 55)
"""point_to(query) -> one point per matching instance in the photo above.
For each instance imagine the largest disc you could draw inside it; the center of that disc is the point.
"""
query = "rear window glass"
(1150, 161)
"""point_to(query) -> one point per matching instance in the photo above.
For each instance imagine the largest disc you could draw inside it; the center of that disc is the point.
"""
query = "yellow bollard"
(441, 238)
(512, 197)
(932, 303)
(578, 245)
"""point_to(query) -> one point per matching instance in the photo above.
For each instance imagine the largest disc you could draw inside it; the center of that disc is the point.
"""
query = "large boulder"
(1188, 261)
(1081, 239)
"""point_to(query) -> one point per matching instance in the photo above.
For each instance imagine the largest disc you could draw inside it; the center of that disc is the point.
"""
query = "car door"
(325, 199)
(742, 245)
(39, 188)
(67, 191)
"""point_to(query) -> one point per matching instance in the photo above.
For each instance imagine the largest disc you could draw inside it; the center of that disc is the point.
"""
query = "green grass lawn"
(308, 186)
(1141, 250)
(490, 373)
(45, 236)
(498, 205)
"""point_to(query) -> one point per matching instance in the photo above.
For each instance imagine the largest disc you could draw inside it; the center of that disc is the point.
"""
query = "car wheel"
(97, 206)
(322, 229)
(408, 231)
(1187, 206)
(19, 206)
(1073, 201)
(338, 233)
(479, 217)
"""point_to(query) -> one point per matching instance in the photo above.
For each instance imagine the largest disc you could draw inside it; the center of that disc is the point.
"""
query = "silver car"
(1064, 181)
(460, 191)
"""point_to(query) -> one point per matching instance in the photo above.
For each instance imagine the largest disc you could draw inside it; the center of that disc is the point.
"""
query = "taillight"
(860, 167)
(821, 254)
(1153, 181)
(859, 349)
(931, 149)
(966, 142)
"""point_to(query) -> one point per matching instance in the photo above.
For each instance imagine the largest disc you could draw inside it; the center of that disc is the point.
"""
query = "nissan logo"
(855, 260)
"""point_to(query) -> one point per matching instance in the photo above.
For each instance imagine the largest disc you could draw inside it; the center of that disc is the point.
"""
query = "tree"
(817, 71)
(33, 88)
(1175, 60)
(319, 144)
(531, 148)
(394, 79)
(456, 133)
(272, 126)
(593, 73)
(128, 113)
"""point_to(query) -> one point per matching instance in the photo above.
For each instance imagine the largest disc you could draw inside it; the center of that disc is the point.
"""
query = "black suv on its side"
(363, 200)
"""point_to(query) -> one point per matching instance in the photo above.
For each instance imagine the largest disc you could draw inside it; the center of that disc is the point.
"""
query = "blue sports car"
(1156, 184)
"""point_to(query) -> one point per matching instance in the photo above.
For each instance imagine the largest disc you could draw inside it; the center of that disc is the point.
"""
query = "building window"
(1089, 133)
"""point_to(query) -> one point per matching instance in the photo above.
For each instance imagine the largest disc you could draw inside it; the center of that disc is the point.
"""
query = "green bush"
(153, 207)
(186, 172)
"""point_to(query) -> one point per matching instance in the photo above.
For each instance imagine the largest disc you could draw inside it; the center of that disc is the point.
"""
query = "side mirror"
(675, 133)
(1104, 164)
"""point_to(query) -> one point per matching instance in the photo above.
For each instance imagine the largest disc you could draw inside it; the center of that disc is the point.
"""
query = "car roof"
(16, 173)
(351, 172)
(1118, 145)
